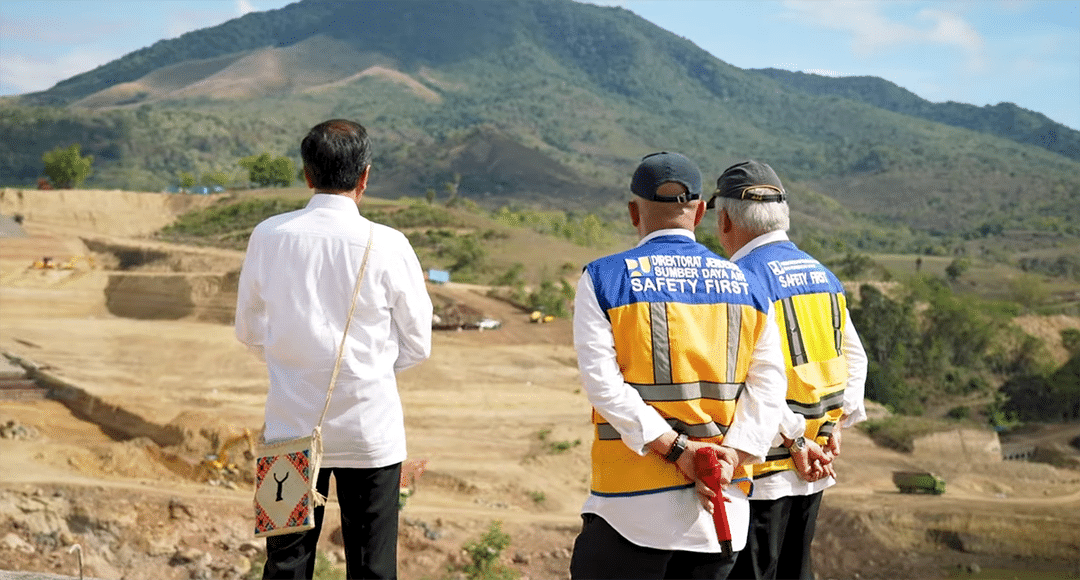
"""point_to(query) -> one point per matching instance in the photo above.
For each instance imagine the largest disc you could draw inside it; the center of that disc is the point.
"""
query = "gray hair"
(756, 217)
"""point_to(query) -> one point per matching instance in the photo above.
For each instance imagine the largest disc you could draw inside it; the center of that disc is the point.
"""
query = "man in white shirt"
(294, 294)
(825, 363)
(678, 351)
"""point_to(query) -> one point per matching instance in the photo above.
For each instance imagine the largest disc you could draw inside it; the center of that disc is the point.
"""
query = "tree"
(1070, 339)
(957, 268)
(215, 178)
(711, 241)
(957, 333)
(466, 254)
(66, 168)
(1028, 290)
(511, 277)
(452, 190)
(889, 332)
(1053, 397)
(853, 265)
(266, 171)
(552, 298)
(185, 180)
(888, 328)
(1065, 389)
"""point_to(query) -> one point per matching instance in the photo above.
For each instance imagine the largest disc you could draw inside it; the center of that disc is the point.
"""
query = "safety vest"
(685, 322)
(811, 311)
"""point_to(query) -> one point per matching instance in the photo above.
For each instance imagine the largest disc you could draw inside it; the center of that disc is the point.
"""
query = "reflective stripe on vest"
(691, 371)
(834, 400)
(796, 348)
(838, 322)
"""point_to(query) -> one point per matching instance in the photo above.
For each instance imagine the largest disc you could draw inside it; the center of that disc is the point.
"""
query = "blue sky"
(979, 52)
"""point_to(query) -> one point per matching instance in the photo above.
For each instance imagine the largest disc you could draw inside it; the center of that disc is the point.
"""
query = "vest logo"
(638, 267)
(801, 272)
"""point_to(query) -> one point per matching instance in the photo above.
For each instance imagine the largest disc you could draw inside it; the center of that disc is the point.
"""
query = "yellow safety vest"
(811, 317)
(687, 356)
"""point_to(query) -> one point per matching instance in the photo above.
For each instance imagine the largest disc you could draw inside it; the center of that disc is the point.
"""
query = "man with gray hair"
(826, 371)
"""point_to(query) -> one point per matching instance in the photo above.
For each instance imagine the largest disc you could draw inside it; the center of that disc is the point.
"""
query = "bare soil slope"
(116, 461)
(311, 65)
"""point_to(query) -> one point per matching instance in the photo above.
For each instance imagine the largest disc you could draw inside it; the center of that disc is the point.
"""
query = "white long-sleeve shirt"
(294, 293)
(672, 520)
(788, 483)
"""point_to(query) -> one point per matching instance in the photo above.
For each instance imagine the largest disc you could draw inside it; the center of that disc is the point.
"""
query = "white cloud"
(824, 72)
(24, 74)
(20, 31)
(869, 30)
(950, 29)
(873, 33)
(791, 66)
(196, 16)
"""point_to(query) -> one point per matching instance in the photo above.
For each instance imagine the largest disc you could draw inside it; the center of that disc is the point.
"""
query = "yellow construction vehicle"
(45, 263)
(48, 263)
(219, 460)
(540, 318)
(74, 261)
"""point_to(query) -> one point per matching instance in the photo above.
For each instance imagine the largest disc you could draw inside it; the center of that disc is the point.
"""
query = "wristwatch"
(797, 444)
(677, 448)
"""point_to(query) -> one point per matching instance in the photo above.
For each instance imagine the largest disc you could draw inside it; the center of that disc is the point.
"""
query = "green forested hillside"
(546, 102)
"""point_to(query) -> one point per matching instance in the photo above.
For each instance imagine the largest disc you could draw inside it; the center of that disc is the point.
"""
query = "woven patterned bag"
(286, 470)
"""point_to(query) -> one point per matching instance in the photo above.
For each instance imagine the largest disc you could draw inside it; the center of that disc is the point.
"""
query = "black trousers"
(368, 499)
(601, 553)
(778, 544)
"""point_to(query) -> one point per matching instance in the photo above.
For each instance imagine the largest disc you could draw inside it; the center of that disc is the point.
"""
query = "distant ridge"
(1005, 120)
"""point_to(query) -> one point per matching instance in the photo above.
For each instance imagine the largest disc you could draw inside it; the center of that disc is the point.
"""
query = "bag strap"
(348, 322)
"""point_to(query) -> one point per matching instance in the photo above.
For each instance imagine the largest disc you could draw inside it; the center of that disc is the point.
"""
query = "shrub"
(900, 433)
(959, 413)
(229, 223)
(484, 555)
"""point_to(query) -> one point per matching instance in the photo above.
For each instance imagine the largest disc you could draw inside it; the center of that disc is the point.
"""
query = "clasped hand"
(813, 462)
(729, 460)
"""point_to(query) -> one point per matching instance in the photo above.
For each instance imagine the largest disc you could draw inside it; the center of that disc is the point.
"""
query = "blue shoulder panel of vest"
(674, 269)
(788, 271)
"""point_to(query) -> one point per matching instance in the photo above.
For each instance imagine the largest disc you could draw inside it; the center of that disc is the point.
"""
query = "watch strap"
(677, 448)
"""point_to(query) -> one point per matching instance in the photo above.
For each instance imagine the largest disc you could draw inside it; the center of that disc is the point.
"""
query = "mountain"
(1005, 120)
(537, 102)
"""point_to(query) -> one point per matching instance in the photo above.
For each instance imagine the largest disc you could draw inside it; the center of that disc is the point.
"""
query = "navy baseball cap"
(736, 181)
(659, 168)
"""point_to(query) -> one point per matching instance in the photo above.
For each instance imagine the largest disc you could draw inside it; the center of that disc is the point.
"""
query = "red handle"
(707, 468)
